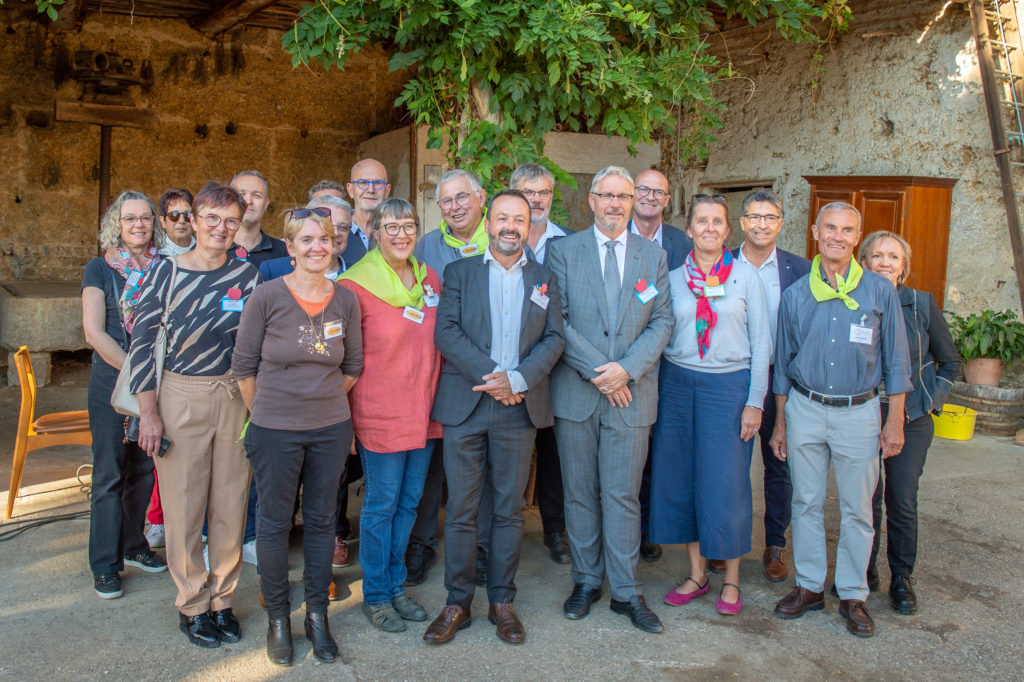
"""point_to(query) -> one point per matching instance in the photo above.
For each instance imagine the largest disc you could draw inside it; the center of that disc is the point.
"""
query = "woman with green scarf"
(398, 299)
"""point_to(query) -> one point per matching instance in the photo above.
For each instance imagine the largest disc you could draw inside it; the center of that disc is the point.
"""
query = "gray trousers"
(491, 449)
(602, 465)
(848, 438)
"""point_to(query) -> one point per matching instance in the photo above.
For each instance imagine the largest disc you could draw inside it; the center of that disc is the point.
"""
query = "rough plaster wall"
(296, 126)
(886, 105)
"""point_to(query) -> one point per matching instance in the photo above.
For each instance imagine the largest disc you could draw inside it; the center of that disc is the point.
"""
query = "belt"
(836, 400)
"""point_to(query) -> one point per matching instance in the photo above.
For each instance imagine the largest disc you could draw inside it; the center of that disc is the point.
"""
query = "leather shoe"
(200, 630)
(901, 595)
(774, 561)
(798, 601)
(559, 544)
(418, 560)
(510, 628)
(481, 567)
(341, 558)
(452, 619)
(649, 551)
(279, 641)
(874, 582)
(641, 616)
(716, 565)
(578, 604)
(228, 628)
(858, 620)
(318, 632)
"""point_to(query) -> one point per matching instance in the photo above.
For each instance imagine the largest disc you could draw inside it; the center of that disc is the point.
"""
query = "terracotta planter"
(983, 371)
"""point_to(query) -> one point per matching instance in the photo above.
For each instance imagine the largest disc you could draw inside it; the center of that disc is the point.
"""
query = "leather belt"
(836, 400)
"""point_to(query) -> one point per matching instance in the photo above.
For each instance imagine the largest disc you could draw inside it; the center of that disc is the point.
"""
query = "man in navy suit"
(762, 222)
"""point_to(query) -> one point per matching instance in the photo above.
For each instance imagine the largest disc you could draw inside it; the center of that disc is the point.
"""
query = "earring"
(293, 262)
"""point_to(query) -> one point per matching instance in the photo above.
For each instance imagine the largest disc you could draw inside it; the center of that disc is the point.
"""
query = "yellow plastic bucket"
(955, 422)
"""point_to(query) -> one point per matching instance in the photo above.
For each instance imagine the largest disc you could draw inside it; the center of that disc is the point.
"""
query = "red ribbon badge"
(543, 288)
(234, 293)
(241, 253)
(641, 285)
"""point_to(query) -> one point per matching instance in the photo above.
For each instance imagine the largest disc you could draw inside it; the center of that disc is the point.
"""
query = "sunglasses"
(175, 216)
(300, 213)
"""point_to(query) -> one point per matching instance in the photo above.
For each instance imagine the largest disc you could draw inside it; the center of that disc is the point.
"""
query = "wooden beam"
(228, 14)
(69, 15)
(104, 114)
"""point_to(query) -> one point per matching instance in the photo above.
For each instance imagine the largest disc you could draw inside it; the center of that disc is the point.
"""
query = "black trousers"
(898, 487)
(281, 460)
(424, 531)
(778, 490)
(352, 472)
(122, 480)
(550, 494)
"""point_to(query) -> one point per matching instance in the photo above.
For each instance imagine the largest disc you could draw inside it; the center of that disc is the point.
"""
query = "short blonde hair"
(292, 226)
(868, 246)
(110, 226)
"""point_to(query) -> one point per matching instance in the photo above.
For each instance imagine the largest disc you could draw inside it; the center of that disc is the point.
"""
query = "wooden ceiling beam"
(228, 14)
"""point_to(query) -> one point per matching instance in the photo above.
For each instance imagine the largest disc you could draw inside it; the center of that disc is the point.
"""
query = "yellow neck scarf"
(823, 291)
(479, 238)
(374, 274)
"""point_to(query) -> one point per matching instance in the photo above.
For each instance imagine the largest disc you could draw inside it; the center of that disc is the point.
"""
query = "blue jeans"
(394, 484)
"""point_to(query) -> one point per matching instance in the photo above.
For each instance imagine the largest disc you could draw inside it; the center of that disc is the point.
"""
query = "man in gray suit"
(618, 318)
(499, 327)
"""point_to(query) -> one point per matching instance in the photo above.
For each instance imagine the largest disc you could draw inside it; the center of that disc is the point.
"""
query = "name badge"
(133, 277)
(540, 299)
(712, 292)
(469, 250)
(859, 334)
(430, 297)
(230, 305)
(333, 330)
(411, 313)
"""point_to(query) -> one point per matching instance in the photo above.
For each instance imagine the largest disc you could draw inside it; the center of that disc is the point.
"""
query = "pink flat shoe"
(727, 609)
(673, 598)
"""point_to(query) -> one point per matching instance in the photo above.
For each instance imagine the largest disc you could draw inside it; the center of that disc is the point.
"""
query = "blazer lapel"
(482, 283)
(529, 281)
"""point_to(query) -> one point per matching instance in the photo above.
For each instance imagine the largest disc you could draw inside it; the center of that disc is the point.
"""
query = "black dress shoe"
(418, 560)
(481, 567)
(578, 604)
(279, 641)
(228, 628)
(648, 550)
(200, 630)
(318, 631)
(559, 544)
(639, 613)
(901, 595)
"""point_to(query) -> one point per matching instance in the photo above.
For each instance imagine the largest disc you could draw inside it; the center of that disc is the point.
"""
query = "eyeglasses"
(175, 216)
(758, 218)
(462, 199)
(644, 190)
(300, 213)
(364, 185)
(536, 193)
(392, 229)
(342, 227)
(147, 219)
(213, 220)
(608, 196)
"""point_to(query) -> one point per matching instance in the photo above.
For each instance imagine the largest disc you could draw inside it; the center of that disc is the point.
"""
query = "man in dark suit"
(652, 198)
(499, 328)
(618, 318)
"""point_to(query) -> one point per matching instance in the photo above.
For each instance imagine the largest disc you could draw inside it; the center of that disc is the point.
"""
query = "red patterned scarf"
(697, 281)
(127, 265)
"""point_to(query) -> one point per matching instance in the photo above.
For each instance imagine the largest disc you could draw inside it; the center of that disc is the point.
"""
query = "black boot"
(279, 641)
(319, 634)
(901, 595)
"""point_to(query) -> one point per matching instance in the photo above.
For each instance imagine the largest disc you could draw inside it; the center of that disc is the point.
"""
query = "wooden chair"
(58, 428)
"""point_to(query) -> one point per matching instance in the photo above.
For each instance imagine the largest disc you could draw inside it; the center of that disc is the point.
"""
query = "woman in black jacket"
(934, 363)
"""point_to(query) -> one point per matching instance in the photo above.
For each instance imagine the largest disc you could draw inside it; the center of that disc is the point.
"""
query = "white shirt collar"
(489, 258)
(602, 238)
(658, 234)
(772, 259)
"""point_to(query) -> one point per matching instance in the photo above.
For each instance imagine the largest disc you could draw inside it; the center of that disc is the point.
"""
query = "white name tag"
(859, 334)
(647, 294)
(411, 313)
(712, 292)
(431, 301)
(333, 330)
(133, 277)
(232, 306)
(469, 250)
(540, 299)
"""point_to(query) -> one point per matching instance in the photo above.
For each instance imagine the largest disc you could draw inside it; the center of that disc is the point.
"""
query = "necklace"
(317, 330)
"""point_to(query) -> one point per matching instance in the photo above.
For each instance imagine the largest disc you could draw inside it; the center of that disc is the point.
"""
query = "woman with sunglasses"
(122, 475)
(299, 351)
(398, 299)
(175, 211)
(191, 426)
(714, 375)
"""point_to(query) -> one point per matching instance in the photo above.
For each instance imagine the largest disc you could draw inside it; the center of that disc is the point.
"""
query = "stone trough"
(46, 317)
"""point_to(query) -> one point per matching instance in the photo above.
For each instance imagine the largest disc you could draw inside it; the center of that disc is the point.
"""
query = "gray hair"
(110, 226)
(255, 174)
(616, 171)
(474, 181)
(868, 245)
(528, 172)
(329, 201)
(394, 208)
(764, 196)
(839, 206)
(326, 184)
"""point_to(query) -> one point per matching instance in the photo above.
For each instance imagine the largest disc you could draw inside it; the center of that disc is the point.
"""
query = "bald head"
(652, 196)
(368, 186)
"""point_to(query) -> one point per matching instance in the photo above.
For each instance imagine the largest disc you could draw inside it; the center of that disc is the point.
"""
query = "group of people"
(636, 359)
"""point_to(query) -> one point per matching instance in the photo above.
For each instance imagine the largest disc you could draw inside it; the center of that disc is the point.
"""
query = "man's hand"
(621, 397)
(498, 387)
(750, 422)
(611, 378)
(891, 440)
(778, 440)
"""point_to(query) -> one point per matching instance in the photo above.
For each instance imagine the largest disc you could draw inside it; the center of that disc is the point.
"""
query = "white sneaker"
(206, 557)
(155, 535)
(249, 552)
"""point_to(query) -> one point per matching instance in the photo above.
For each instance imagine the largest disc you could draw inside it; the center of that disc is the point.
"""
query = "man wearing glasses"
(537, 184)
(618, 318)
(368, 186)
(252, 244)
(462, 232)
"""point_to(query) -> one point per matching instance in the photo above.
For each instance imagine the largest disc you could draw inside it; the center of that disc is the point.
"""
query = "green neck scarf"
(374, 274)
(479, 238)
(823, 291)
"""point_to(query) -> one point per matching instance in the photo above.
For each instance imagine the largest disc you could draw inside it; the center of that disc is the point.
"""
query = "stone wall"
(221, 106)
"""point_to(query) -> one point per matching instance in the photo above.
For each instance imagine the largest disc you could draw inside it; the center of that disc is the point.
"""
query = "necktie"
(612, 286)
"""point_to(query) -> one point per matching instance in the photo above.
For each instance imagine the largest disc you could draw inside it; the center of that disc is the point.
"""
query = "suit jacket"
(354, 250)
(677, 245)
(791, 266)
(640, 333)
(463, 335)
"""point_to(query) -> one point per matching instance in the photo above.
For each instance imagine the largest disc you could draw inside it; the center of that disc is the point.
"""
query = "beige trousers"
(203, 473)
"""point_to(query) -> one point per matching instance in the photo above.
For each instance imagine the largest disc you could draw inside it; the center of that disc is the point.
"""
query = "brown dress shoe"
(858, 620)
(332, 592)
(799, 600)
(774, 560)
(510, 628)
(716, 565)
(452, 619)
(340, 559)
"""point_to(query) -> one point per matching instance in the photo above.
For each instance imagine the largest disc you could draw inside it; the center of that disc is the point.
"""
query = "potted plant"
(987, 341)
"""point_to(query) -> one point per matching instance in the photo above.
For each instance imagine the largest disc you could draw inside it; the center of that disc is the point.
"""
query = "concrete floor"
(970, 582)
